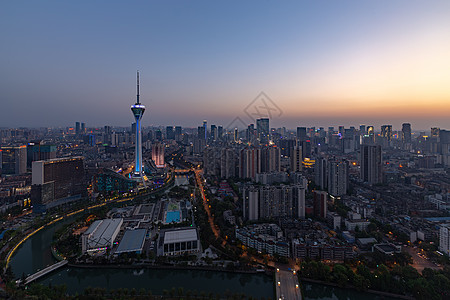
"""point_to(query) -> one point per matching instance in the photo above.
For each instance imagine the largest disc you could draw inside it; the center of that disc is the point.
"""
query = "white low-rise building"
(100, 235)
(180, 241)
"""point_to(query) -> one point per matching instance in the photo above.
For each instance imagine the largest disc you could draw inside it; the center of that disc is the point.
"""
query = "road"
(287, 285)
(213, 226)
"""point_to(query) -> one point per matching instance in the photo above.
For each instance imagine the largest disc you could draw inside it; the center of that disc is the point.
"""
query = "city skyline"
(339, 64)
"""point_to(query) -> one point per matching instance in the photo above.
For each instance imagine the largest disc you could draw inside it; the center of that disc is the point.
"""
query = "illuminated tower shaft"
(138, 111)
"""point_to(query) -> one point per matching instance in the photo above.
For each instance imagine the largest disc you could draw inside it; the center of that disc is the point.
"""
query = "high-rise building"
(178, 134)
(320, 204)
(138, 111)
(263, 130)
(36, 151)
(83, 128)
(362, 129)
(268, 202)
(201, 133)
(219, 132)
(228, 163)
(386, 132)
(236, 135)
(205, 128)
(296, 159)
(406, 133)
(213, 132)
(158, 135)
(13, 160)
(56, 182)
(301, 134)
(170, 133)
(369, 138)
(444, 238)
(337, 177)
(321, 173)
(77, 128)
(435, 131)
(249, 162)
(371, 164)
(270, 159)
(158, 154)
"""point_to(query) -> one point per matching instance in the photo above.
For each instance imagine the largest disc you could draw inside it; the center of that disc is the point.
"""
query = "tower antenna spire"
(138, 87)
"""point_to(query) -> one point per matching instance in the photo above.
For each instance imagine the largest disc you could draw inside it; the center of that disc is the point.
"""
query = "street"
(287, 285)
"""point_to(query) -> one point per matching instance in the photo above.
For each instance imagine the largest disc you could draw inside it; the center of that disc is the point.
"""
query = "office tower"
(337, 177)
(406, 133)
(286, 146)
(251, 133)
(219, 132)
(362, 129)
(435, 131)
(213, 132)
(205, 128)
(321, 173)
(371, 164)
(158, 155)
(296, 159)
(236, 135)
(201, 133)
(133, 127)
(138, 111)
(444, 238)
(341, 130)
(386, 132)
(170, 133)
(262, 130)
(83, 128)
(77, 128)
(371, 134)
(107, 135)
(36, 151)
(13, 160)
(301, 134)
(158, 135)
(57, 181)
(178, 134)
(320, 204)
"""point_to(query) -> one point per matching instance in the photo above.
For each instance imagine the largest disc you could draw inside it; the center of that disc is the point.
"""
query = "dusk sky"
(325, 63)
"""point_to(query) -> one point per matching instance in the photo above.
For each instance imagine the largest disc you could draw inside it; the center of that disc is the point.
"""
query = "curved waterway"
(35, 254)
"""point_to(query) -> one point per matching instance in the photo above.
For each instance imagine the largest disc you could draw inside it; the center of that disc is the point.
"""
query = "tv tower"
(138, 111)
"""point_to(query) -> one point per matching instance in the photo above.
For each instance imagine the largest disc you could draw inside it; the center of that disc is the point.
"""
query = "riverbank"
(375, 292)
(166, 267)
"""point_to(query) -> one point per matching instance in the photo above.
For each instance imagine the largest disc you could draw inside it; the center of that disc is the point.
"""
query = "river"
(34, 254)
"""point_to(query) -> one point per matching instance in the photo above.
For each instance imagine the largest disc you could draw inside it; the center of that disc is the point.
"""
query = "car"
(279, 283)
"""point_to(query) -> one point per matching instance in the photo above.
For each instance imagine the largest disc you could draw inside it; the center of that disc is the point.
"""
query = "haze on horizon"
(324, 63)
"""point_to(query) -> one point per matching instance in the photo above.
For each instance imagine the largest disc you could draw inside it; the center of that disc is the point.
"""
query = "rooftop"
(183, 235)
(101, 231)
(132, 241)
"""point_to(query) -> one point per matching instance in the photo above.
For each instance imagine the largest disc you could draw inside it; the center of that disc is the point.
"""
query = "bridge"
(287, 285)
(43, 272)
